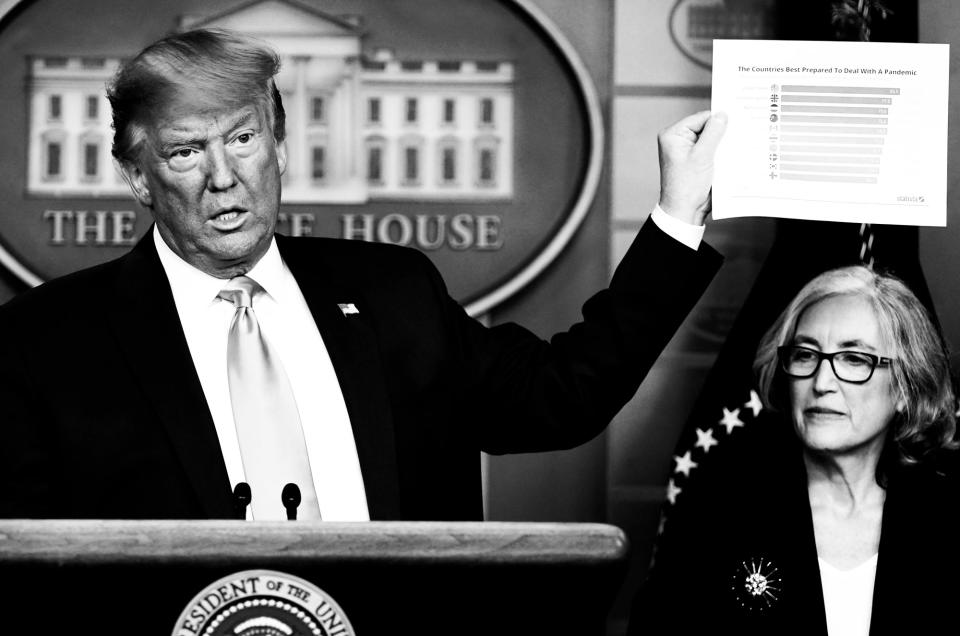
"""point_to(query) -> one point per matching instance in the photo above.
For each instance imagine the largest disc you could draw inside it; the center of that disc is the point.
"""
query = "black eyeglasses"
(855, 367)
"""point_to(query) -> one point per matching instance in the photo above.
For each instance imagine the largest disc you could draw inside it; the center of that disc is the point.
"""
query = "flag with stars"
(729, 405)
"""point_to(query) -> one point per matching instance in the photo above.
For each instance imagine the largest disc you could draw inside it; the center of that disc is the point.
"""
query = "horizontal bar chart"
(828, 133)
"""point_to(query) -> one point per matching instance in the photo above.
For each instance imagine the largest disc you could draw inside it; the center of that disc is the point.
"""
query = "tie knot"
(240, 291)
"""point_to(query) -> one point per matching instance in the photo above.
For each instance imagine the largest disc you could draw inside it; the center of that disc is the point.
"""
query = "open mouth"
(228, 219)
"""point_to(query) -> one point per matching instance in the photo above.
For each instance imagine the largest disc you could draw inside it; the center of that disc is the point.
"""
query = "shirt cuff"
(687, 233)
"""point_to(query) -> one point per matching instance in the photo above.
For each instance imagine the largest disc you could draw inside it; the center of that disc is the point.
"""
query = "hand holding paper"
(687, 151)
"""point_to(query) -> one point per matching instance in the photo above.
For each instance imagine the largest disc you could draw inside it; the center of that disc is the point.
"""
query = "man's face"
(212, 182)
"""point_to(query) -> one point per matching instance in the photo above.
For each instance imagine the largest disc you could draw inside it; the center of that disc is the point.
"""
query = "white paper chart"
(833, 131)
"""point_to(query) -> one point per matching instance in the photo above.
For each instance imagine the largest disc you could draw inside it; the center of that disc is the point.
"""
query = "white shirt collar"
(195, 290)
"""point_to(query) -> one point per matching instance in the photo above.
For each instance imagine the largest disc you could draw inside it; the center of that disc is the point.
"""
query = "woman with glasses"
(843, 519)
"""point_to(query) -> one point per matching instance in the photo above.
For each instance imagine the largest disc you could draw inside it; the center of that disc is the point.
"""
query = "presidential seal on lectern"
(262, 603)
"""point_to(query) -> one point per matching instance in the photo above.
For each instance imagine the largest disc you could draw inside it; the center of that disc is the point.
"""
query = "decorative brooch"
(756, 585)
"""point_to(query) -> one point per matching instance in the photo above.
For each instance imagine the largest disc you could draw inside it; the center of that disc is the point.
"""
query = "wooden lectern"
(390, 578)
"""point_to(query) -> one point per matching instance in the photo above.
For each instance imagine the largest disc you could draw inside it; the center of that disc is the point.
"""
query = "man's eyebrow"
(175, 137)
(170, 139)
(243, 119)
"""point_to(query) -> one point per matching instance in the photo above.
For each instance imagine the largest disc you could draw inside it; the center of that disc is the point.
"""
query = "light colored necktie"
(265, 412)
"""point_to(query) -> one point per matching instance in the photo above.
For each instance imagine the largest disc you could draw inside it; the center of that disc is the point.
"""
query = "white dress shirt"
(286, 322)
(687, 233)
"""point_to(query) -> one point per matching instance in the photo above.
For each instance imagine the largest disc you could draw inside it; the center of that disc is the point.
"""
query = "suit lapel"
(148, 331)
(784, 523)
(352, 345)
(810, 613)
(903, 532)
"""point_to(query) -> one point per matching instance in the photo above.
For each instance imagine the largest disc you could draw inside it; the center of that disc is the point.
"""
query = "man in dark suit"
(115, 401)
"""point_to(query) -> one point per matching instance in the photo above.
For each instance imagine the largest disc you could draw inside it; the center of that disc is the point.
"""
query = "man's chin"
(228, 261)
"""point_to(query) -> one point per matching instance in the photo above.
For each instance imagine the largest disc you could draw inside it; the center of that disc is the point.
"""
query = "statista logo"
(911, 199)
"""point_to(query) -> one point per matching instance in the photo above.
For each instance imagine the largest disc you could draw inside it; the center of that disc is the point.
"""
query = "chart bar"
(851, 90)
(839, 150)
(794, 176)
(865, 130)
(840, 110)
(805, 119)
(830, 159)
(834, 99)
(831, 139)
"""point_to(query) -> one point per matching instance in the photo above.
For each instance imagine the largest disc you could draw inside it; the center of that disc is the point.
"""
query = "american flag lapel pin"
(348, 309)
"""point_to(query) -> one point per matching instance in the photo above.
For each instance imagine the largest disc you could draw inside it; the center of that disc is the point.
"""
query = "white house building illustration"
(361, 125)
(70, 133)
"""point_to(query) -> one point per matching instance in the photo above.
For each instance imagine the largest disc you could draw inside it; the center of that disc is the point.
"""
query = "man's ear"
(282, 155)
(137, 181)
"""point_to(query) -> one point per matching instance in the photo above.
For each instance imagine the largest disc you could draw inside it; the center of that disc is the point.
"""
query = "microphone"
(291, 499)
(241, 499)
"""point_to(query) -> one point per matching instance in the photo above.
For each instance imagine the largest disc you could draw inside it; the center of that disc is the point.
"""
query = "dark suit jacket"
(759, 510)
(103, 416)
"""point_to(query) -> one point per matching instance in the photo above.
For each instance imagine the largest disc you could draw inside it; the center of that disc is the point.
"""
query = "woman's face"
(831, 415)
